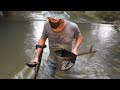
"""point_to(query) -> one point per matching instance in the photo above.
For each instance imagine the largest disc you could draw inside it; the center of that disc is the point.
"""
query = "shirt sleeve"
(76, 31)
(44, 33)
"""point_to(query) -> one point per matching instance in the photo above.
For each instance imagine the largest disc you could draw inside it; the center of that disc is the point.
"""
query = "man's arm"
(38, 51)
(77, 44)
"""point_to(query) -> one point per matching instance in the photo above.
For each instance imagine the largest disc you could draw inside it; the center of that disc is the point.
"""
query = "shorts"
(49, 71)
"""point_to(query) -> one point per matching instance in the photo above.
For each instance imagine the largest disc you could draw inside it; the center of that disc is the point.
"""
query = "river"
(20, 32)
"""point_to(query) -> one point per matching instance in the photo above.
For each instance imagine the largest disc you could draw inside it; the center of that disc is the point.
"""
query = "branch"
(90, 51)
(87, 52)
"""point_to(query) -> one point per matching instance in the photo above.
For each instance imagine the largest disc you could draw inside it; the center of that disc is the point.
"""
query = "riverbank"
(91, 17)
(87, 17)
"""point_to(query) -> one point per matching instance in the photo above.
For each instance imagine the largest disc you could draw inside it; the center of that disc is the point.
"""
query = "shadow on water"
(21, 31)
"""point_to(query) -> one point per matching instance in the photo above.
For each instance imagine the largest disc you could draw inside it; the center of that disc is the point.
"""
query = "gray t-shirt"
(62, 39)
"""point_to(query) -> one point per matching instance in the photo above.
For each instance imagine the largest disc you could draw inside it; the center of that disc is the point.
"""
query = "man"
(60, 33)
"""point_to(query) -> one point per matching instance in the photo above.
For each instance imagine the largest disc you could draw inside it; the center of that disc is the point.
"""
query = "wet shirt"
(62, 39)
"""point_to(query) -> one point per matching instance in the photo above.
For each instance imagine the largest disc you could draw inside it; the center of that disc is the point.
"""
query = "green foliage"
(108, 15)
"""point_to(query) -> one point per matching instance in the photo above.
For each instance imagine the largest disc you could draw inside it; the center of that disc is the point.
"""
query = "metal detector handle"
(40, 46)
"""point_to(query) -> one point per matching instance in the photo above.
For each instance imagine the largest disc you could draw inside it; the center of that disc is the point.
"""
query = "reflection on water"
(37, 29)
(18, 40)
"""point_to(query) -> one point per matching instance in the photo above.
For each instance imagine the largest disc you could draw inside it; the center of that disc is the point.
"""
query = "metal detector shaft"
(38, 66)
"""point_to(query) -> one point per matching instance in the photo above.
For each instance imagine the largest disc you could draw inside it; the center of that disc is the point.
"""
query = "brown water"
(20, 32)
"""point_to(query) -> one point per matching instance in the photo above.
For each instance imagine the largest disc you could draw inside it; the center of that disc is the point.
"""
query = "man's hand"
(33, 63)
(35, 60)
(75, 51)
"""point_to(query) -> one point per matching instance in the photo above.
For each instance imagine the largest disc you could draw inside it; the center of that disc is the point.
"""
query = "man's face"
(54, 22)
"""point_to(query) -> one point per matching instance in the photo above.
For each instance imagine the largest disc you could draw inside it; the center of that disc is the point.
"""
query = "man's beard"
(54, 25)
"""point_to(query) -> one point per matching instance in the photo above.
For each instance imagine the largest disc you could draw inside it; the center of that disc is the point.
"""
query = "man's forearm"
(78, 41)
(77, 44)
(38, 51)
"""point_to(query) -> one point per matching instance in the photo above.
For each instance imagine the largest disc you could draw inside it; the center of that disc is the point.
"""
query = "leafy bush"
(108, 15)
